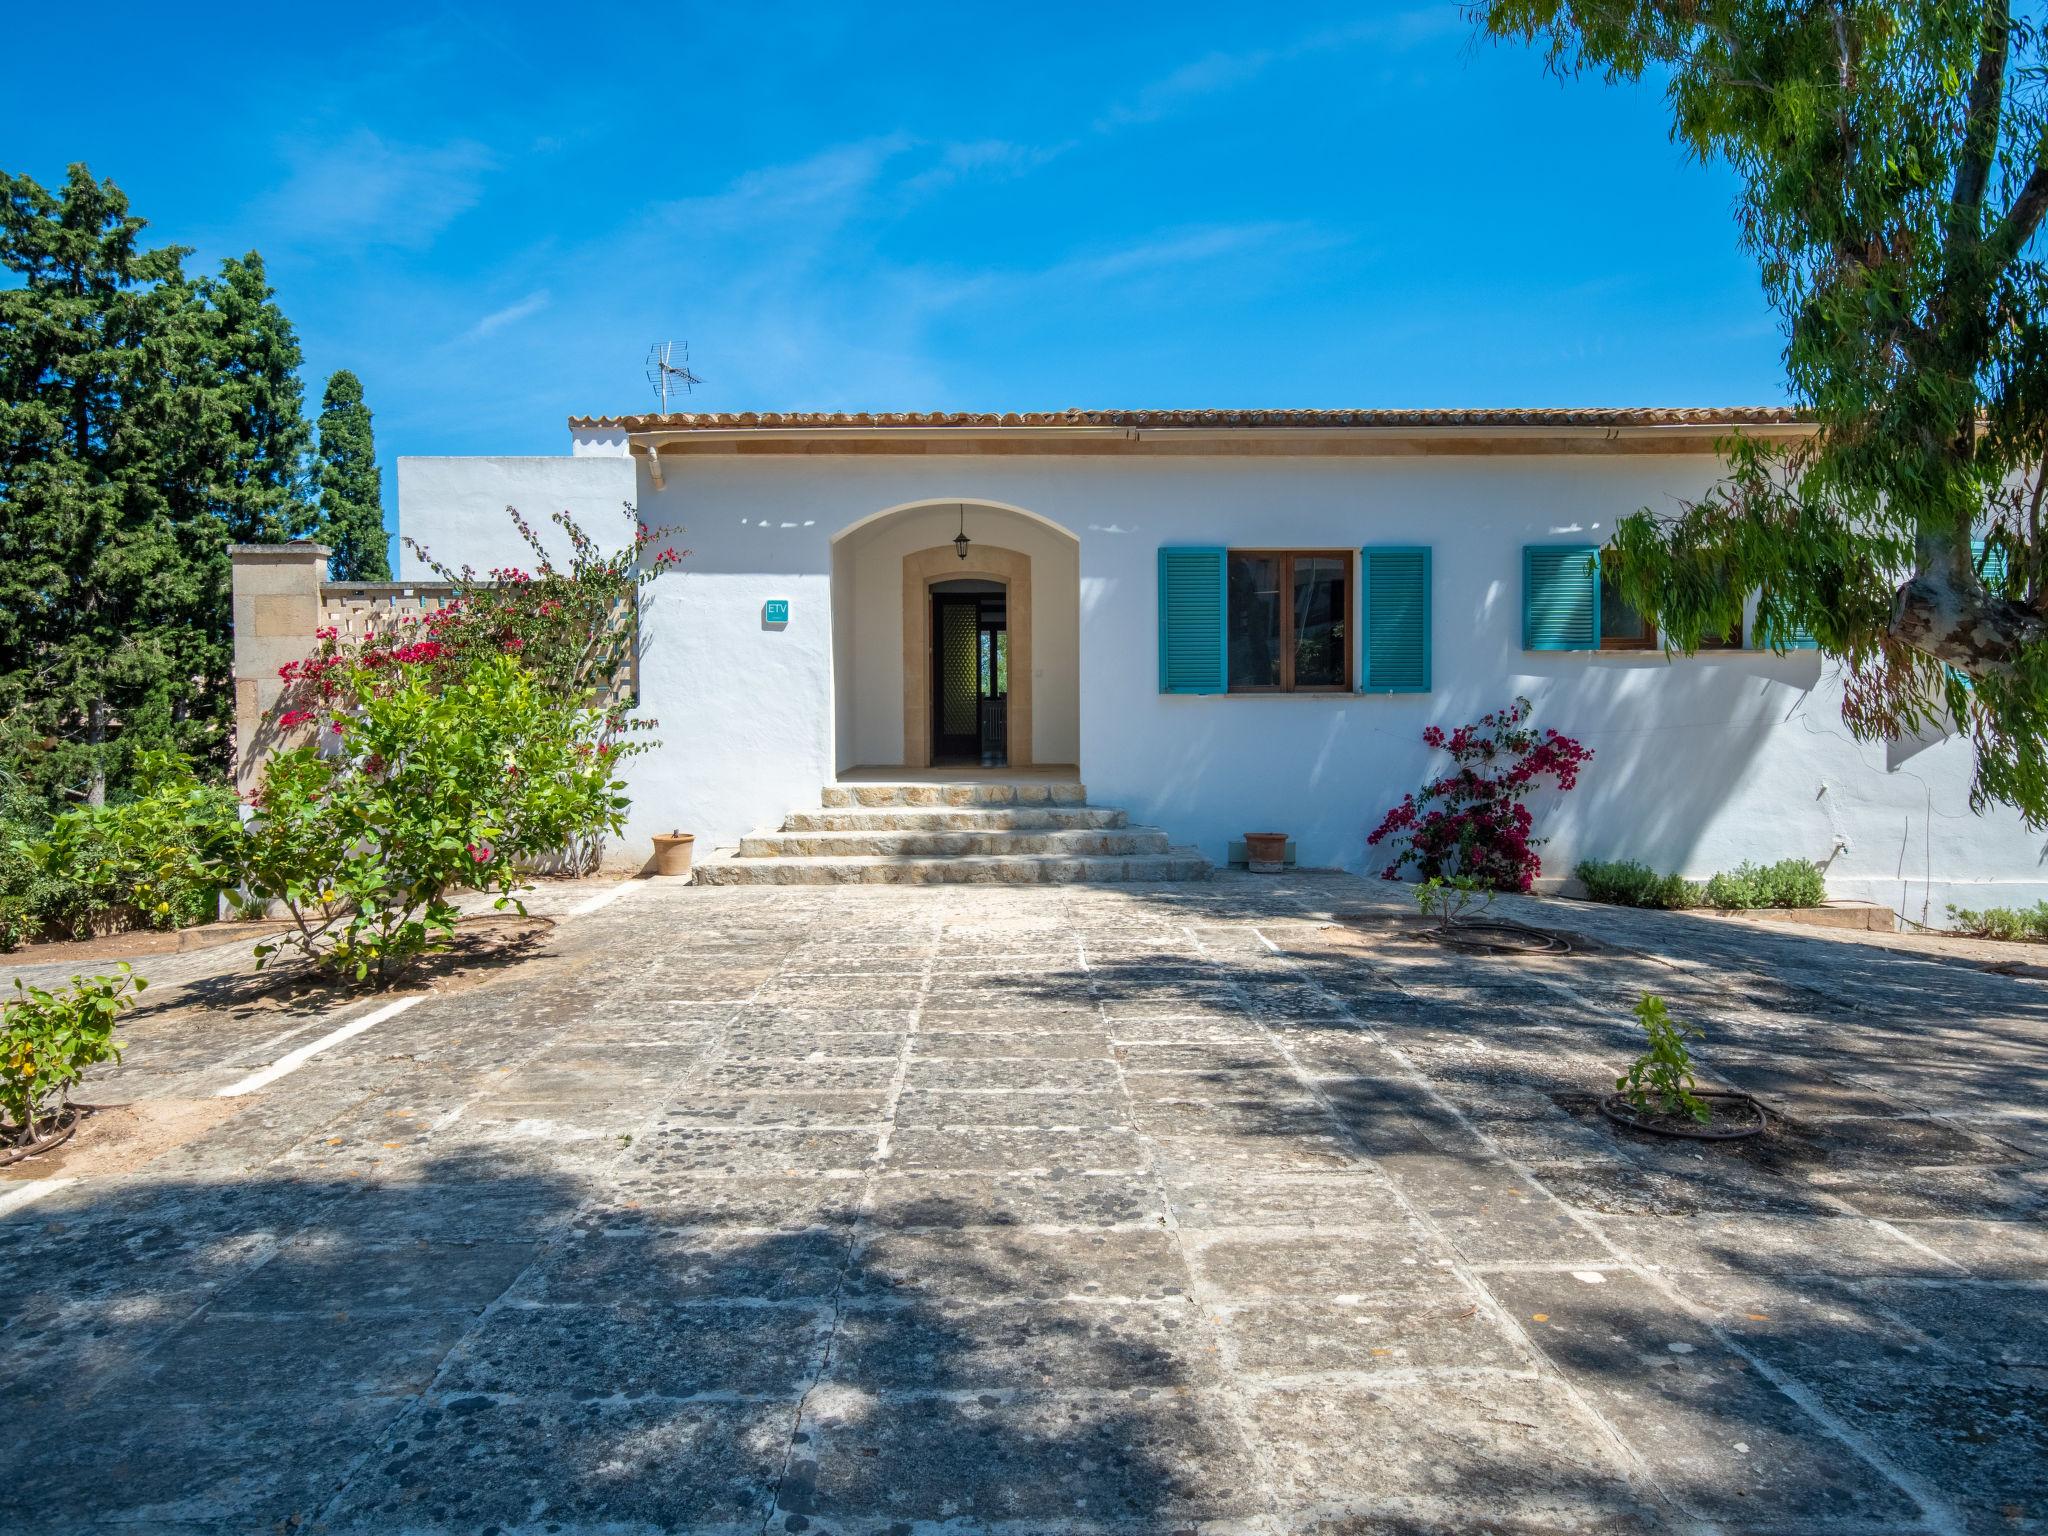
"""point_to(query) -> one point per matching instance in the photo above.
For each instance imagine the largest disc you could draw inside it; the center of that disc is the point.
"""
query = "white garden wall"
(1700, 762)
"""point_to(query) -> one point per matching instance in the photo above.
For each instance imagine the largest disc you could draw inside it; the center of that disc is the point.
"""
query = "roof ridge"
(1604, 415)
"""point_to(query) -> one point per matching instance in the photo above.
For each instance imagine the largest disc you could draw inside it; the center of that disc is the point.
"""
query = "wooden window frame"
(1651, 639)
(1287, 557)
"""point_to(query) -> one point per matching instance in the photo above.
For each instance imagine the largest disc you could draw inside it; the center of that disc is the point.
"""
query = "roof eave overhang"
(1392, 439)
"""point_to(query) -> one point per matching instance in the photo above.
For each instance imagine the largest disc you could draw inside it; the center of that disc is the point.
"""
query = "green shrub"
(1451, 900)
(1625, 883)
(422, 785)
(150, 861)
(23, 822)
(49, 1040)
(1660, 1081)
(1787, 883)
(2014, 925)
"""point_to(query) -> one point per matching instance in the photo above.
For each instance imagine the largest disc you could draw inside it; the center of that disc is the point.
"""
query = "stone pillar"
(277, 609)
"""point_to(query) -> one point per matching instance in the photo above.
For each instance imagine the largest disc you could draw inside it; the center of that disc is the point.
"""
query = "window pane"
(1322, 606)
(1254, 621)
(1618, 621)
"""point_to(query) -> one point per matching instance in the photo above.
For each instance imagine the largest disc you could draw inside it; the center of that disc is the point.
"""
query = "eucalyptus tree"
(1893, 169)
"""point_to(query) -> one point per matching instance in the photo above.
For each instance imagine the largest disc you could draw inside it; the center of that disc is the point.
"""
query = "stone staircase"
(1018, 832)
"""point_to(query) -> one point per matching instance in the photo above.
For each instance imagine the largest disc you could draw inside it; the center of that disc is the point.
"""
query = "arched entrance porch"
(895, 577)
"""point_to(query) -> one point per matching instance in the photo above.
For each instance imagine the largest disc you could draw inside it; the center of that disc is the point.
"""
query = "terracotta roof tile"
(1547, 416)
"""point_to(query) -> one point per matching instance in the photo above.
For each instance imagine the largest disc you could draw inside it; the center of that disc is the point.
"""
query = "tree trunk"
(96, 734)
(1959, 623)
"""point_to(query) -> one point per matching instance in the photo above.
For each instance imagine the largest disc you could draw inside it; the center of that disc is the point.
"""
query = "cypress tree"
(113, 571)
(351, 488)
(265, 489)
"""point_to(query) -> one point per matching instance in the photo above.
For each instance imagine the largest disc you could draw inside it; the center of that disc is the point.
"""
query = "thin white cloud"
(1218, 72)
(987, 159)
(365, 190)
(828, 185)
(511, 314)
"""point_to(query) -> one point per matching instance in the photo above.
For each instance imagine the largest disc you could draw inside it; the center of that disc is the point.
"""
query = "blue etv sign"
(775, 611)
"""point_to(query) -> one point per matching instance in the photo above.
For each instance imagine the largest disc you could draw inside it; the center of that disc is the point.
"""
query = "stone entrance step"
(985, 831)
(960, 818)
(975, 792)
(898, 844)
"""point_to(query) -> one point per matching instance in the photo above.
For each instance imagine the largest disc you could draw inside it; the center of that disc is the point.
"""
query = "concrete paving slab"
(1142, 1459)
(1018, 1210)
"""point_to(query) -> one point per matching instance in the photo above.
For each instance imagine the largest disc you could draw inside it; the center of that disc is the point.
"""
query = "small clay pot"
(672, 852)
(1265, 852)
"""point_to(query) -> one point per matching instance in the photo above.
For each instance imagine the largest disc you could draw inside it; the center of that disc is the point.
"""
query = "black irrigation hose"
(1622, 1112)
(1468, 936)
(68, 1118)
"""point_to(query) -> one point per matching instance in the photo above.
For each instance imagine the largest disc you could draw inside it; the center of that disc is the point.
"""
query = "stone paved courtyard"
(1132, 1208)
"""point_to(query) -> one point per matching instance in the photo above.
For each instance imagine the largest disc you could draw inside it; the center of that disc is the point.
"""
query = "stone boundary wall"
(282, 599)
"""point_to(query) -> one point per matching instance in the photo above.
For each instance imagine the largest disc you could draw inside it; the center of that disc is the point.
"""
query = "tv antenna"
(668, 370)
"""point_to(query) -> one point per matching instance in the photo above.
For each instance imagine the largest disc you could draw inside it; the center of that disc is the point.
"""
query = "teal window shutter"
(1560, 597)
(1191, 615)
(1790, 640)
(1395, 583)
(1993, 567)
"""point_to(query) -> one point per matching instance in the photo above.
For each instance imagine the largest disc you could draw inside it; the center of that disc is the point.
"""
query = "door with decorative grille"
(956, 678)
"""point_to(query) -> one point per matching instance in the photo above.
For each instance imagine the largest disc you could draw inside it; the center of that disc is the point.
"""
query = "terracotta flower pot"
(672, 852)
(1266, 852)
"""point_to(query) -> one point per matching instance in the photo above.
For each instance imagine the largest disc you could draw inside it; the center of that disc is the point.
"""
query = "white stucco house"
(1220, 622)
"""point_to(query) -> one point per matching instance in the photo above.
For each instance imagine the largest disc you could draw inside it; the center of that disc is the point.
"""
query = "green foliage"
(1787, 883)
(574, 625)
(50, 1040)
(420, 785)
(1452, 899)
(1892, 186)
(147, 419)
(1626, 883)
(265, 495)
(2013, 925)
(351, 486)
(150, 861)
(1660, 1081)
(24, 821)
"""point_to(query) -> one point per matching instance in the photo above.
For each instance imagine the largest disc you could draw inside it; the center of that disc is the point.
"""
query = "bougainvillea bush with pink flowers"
(466, 747)
(573, 625)
(1473, 820)
(423, 786)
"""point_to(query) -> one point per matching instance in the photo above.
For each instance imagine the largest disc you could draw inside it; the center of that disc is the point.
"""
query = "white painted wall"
(1699, 762)
(869, 563)
(456, 508)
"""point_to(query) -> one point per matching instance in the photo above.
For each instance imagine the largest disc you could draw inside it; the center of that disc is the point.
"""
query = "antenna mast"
(668, 370)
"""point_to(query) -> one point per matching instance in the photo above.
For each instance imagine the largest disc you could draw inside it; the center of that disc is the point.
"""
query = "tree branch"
(1980, 126)
(2024, 217)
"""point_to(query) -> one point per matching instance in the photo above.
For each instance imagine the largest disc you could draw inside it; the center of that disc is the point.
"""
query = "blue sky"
(490, 214)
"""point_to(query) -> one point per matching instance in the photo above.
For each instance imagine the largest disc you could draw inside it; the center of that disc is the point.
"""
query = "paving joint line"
(1936, 1513)
(855, 1238)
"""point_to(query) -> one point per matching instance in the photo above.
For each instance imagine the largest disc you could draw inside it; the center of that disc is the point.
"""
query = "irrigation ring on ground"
(1501, 939)
(1746, 1117)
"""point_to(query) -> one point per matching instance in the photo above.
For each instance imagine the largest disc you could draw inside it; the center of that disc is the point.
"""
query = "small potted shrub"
(672, 851)
(1265, 853)
(1660, 1094)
